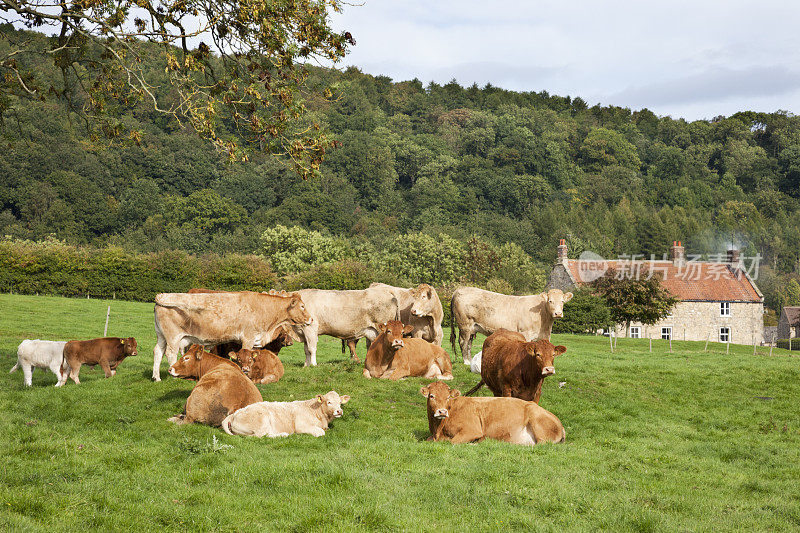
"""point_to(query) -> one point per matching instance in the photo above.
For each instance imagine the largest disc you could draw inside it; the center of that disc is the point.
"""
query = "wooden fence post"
(651, 344)
(670, 343)
(754, 347)
(728, 347)
(708, 338)
(610, 341)
(108, 314)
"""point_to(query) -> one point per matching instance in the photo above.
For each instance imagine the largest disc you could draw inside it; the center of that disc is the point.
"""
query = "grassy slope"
(654, 441)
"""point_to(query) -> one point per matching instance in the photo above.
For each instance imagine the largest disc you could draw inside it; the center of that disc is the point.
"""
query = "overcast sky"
(692, 59)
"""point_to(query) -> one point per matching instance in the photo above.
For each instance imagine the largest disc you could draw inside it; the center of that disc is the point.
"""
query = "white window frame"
(725, 334)
(635, 332)
(724, 309)
(666, 333)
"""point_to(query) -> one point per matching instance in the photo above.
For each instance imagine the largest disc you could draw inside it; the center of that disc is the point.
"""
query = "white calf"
(475, 364)
(279, 419)
(42, 354)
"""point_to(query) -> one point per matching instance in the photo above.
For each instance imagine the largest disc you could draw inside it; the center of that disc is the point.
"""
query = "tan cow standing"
(455, 418)
(221, 387)
(344, 315)
(476, 311)
(281, 419)
(250, 318)
(390, 356)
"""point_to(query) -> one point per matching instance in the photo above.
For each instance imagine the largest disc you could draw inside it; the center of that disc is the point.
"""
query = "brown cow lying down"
(280, 419)
(221, 387)
(392, 357)
(261, 366)
(458, 419)
(108, 352)
(514, 368)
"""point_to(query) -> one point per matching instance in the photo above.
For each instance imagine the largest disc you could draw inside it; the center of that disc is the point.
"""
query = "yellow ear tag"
(122, 341)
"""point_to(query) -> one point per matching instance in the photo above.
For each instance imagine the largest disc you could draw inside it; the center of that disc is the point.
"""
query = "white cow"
(42, 354)
(475, 310)
(280, 419)
(475, 364)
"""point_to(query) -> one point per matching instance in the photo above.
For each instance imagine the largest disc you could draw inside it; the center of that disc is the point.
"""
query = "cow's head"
(188, 366)
(554, 301)
(543, 353)
(425, 299)
(130, 347)
(393, 332)
(286, 336)
(439, 396)
(297, 311)
(331, 404)
(244, 358)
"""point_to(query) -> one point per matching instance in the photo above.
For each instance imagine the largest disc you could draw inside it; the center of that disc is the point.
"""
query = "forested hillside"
(527, 168)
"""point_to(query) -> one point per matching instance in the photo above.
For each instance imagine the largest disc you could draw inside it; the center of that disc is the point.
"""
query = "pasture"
(655, 442)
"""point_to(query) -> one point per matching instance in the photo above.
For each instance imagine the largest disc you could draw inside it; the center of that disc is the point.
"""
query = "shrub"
(342, 275)
(788, 344)
(292, 250)
(584, 313)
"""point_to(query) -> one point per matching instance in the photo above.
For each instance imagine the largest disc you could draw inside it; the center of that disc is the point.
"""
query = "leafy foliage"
(586, 312)
(634, 298)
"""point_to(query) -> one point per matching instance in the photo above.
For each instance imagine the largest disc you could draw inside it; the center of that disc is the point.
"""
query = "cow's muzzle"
(441, 413)
(548, 371)
(338, 413)
(558, 315)
(397, 344)
(172, 372)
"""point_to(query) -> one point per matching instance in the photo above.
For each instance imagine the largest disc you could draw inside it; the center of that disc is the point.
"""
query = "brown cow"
(221, 387)
(285, 338)
(108, 352)
(514, 368)
(392, 357)
(261, 366)
(457, 419)
(251, 318)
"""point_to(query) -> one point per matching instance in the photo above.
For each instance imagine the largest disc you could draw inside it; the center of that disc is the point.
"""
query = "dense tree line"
(508, 167)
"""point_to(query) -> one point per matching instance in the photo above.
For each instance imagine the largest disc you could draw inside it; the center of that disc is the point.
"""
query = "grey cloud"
(713, 85)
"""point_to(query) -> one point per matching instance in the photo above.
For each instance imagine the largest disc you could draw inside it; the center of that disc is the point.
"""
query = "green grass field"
(655, 441)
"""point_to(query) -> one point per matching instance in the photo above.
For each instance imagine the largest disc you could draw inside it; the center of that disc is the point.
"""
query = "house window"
(666, 333)
(636, 332)
(724, 334)
(724, 309)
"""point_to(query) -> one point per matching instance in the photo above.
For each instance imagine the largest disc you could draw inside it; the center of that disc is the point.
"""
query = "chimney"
(562, 252)
(677, 253)
(733, 257)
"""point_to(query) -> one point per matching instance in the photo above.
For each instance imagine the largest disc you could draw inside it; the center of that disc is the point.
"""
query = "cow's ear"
(408, 329)
(344, 399)
(320, 398)
(232, 356)
(293, 302)
(198, 354)
(424, 391)
(560, 350)
(382, 327)
(567, 297)
(455, 393)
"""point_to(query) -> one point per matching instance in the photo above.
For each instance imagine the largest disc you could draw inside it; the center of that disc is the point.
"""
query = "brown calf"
(514, 368)
(261, 366)
(392, 357)
(108, 352)
(221, 387)
(455, 418)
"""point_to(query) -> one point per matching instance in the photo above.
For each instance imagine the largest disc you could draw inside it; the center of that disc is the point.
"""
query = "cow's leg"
(27, 374)
(310, 347)
(310, 429)
(158, 354)
(352, 343)
(465, 341)
(106, 368)
(74, 371)
(467, 435)
(55, 368)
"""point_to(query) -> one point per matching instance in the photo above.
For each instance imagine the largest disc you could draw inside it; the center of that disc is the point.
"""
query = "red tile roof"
(697, 281)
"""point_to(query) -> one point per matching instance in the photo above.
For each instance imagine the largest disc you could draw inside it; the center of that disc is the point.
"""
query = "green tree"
(634, 298)
(585, 313)
(604, 147)
(248, 68)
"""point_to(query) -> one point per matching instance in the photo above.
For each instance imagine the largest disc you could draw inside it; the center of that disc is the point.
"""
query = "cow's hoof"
(156, 379)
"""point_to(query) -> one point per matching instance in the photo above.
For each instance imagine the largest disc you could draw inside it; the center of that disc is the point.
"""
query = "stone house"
(789, 323)
(718, 301)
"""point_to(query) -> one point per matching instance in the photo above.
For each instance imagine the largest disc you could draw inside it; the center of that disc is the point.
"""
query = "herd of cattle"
(229, 341)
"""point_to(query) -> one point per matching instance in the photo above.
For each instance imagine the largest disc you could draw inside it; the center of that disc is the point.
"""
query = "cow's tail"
(344, 343)
(475, 388)
(14, 368)
(396, 308)
(226, 424)
(452, 329)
